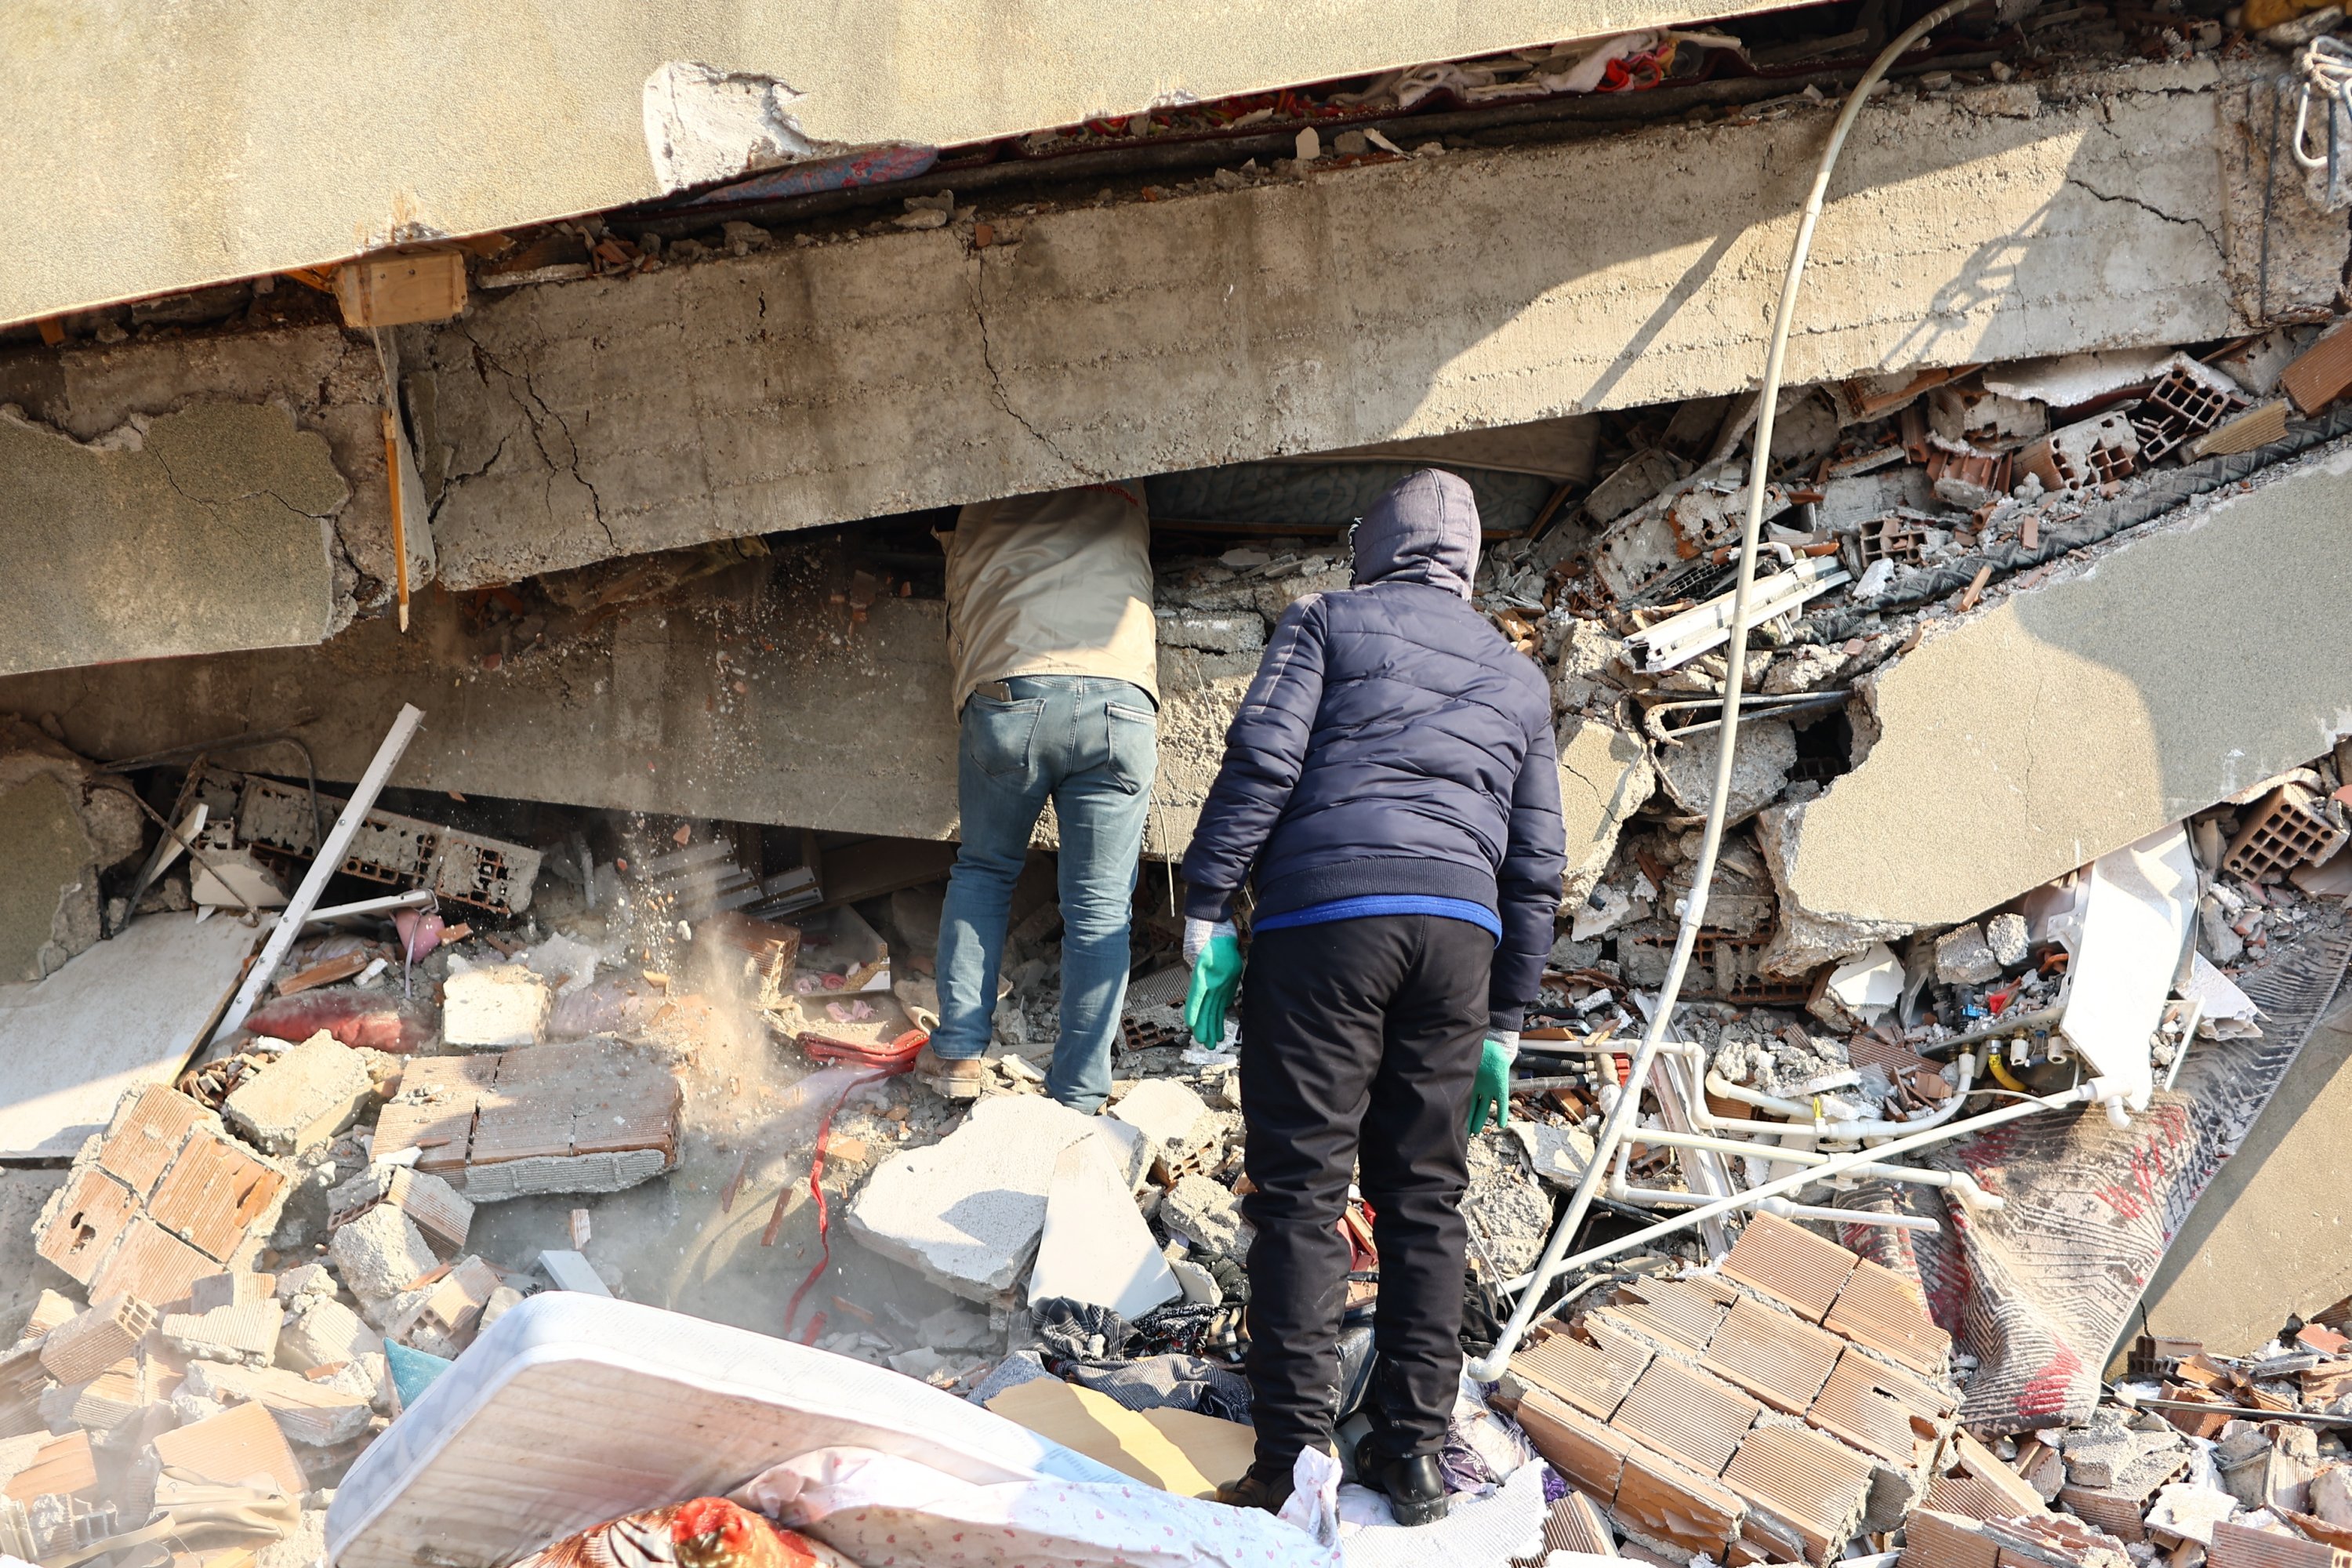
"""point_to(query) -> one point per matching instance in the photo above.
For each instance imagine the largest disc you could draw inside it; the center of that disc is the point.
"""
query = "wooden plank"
(395, 289)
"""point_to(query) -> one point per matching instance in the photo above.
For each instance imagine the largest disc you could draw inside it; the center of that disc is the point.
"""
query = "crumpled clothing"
(1163, 1382)
(1079, 1330)
(1089, 1345)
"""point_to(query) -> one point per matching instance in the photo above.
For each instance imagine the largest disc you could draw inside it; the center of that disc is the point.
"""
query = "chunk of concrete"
(380, 1254)
(300, 1102)
(1762, 754)
(495, 1006)
(968, 1211)
(1205, 1212)
(314, 1413)
(1605, 774)
(606, 1171)
(2006, 936)
(60, 825)
(247, 1333)
(443, 1212)
(207, 531)
(1964, 958)
(1557, 1154)
(2120, 694)
(1164, 1111)
(1096, 1248)
(323, 1334)
(569, 1270)
(1859, 992)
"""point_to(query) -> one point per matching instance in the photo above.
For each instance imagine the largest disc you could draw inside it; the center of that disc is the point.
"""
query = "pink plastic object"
(420, 930)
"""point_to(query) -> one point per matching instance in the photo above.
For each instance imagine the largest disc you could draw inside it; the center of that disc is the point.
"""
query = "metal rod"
(2249, 1412)
(399, 521)
(329, 861)
(414, 899)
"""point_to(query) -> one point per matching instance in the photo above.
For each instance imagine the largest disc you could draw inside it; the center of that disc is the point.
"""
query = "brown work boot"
(1254, 1491)
(949, 1079)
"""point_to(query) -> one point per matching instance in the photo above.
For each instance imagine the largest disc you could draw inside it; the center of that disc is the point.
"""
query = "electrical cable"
(1622, 1115)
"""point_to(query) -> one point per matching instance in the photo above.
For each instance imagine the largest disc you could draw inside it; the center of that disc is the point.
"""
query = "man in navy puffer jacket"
(1389, 787)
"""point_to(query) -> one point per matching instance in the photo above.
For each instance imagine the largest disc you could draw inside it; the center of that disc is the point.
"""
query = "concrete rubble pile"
(2027, 803)
(250, 1273)
(258, 1265)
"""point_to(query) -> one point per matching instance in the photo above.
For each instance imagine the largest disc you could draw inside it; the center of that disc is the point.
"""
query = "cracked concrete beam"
(804, 385)
(207, 529)
(330, 382)
(640, 710)
(2202, 654)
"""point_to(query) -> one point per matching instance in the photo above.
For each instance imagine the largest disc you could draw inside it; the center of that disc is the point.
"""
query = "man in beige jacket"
(1056, 682)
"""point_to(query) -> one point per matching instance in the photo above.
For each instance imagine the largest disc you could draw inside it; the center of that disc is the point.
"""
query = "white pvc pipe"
(414, 899)
(1493, 1365)
(1787, 1210)
(1959, 1182)
(1807, 1118)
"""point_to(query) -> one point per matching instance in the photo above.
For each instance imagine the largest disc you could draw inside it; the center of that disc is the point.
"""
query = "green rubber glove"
(1214, 951)
(1490, 1093)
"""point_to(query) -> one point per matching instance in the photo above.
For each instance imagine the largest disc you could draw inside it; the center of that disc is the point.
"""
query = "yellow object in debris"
(2261, 14)
(1105, 1430)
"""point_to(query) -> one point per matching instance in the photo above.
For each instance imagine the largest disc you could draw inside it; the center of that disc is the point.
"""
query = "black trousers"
(1359, 1042)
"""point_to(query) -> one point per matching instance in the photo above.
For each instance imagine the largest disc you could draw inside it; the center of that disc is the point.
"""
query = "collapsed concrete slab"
(2196, 657)
(805, 385)
(173, 507)
(867, 375)
(210, 528)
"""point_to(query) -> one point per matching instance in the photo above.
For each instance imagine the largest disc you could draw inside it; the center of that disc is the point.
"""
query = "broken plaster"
(704, 124)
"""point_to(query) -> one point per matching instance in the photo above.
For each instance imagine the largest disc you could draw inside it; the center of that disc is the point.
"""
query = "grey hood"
(1425, 529)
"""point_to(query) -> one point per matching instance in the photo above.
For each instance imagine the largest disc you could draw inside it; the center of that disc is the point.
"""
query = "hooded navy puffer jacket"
(1393, 742)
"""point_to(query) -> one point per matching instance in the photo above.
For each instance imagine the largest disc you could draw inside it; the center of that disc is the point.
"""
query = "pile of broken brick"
(271, 1257)
(1796, 1403)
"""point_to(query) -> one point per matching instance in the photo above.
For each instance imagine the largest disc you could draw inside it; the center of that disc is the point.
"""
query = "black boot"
(1415, 1488)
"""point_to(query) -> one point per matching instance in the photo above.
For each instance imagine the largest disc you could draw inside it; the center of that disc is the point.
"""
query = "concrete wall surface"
(802, 385)
(230, 500)
(2266, 1240)
(185, 145)
(759, 701)
(112, 567)
(2190, 661)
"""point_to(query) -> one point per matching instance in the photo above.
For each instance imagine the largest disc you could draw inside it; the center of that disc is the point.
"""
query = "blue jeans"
(1091, 744)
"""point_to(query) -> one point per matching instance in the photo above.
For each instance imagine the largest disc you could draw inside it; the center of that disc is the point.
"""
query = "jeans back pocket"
(1133, 746)
(1000, 734)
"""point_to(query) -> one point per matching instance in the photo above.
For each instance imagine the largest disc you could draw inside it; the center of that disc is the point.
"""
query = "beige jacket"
(1052, 584)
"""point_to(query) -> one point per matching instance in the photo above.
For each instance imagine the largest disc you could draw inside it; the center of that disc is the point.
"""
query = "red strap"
(888, 1062)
